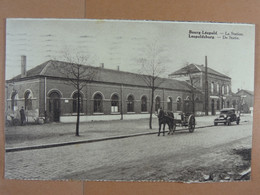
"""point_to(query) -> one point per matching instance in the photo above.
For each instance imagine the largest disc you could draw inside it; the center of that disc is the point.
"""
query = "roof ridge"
(197, 67)
(107, 75)
(45, 67)
(113, 70)
(214, 71)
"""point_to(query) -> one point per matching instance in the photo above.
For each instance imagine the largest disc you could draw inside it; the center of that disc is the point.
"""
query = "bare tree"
(152, 68)
(77, 75)
(192, 80)
(192, 91)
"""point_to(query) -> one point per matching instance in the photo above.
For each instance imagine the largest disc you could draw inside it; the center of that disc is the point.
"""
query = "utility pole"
(206, 88)
(163, 99)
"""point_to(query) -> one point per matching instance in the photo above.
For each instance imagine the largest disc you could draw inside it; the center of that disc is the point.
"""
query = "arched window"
(28, 100)
(228, 90)
(98, 103)
(114, 103)
(157, 103)
(169, 103)
(75, 102)
(212, 88)
(187, 104)
(178, 104)
(130, 103)
(144, 104)
(14, 98)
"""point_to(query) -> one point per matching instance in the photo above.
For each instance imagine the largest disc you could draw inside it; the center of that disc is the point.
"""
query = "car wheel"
(216, 124)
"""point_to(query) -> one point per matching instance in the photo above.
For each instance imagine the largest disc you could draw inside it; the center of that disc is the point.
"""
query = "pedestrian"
(22, 115)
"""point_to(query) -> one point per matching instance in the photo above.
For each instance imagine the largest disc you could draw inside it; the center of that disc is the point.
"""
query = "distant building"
(45, 93)
(219, 86)
(246, 100)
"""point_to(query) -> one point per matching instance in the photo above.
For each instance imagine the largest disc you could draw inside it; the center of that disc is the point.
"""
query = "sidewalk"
(62, 134)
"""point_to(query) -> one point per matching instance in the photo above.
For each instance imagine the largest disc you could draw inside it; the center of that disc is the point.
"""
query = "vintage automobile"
(226, 116)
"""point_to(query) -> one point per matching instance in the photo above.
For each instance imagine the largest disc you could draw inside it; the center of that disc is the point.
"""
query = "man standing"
(22, 115)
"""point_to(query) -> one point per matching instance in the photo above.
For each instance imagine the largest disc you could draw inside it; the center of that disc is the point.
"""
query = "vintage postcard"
(120, 100)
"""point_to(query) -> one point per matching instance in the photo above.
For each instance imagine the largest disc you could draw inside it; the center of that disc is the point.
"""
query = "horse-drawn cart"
(185, 120)
(174, 120)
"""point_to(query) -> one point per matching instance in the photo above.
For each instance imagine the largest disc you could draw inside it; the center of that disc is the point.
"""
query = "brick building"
(219, 86)
(45, 93)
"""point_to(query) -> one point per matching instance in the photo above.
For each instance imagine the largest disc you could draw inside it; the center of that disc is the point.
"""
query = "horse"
(165, 118)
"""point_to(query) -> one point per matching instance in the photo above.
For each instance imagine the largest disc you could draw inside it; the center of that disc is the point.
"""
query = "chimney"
(23, 67)
(101, 65)
(118, 68)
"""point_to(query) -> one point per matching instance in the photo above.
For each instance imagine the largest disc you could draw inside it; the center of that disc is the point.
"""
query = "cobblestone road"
(131, 158)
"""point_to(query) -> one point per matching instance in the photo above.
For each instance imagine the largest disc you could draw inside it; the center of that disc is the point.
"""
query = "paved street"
(147, 157)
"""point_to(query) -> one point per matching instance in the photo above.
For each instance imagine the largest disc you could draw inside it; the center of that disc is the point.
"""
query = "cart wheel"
(16, 122)
(191, 123)
(8, 123)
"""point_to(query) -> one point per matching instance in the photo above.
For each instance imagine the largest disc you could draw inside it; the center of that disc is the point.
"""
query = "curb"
(86, 141)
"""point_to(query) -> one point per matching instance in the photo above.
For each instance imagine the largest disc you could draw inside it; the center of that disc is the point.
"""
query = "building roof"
(194, 68)
(52, 68)
(242, 91)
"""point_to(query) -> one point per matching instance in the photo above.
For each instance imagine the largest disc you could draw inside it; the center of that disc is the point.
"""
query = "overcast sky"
(120, 43)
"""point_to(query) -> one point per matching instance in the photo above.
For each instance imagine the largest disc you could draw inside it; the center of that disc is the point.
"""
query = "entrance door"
(54, 107)
(212, 107)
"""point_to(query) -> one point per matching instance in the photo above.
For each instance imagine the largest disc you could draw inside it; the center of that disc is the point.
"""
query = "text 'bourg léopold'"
(202, 34)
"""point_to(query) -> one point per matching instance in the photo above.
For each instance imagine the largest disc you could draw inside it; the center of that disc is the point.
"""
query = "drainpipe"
(45, 98)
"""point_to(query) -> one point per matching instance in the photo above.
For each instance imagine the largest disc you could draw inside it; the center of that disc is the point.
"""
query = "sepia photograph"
(128, 100)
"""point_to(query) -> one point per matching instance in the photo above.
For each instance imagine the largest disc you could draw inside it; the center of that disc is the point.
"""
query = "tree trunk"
(78, 115)
(151, 111)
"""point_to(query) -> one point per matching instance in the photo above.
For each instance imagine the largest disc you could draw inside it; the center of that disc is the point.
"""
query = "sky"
(121, 42)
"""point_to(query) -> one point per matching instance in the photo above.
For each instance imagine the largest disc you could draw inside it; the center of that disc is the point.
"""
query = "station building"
(46, 94)
(219, 89)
